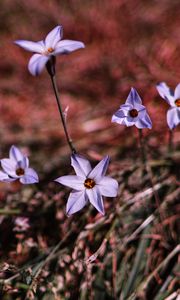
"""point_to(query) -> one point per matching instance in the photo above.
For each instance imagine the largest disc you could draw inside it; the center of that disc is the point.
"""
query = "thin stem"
(6, 211)
(142, 146)
(69, 140)
(51, 70)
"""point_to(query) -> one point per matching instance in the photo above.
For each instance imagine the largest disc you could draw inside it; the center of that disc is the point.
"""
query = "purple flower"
(17, 167)
(133, 112)
(51, 46)
(173, 99)
(21, 224)
(88, 184)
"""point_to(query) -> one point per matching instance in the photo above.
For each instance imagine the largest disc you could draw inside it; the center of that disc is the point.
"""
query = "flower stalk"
(45, 55)
(142, 146)
(50, 66)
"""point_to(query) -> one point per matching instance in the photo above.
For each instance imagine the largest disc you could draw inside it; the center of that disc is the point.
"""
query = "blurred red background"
(128, 43)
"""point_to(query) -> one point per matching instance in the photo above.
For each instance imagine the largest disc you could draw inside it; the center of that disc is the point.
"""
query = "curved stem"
(69, 140)
(142, 146)
(50, 66)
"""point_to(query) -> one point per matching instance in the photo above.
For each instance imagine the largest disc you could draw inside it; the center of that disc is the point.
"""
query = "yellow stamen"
(177, 102)
(89, 183)
(48, 51)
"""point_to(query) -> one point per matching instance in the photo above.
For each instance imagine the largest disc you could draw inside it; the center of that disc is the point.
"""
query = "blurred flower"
(17, 167)
(31, 243)
(21, 224)
(51, 46)
(133, 112)
(173, 99)
(88, 184)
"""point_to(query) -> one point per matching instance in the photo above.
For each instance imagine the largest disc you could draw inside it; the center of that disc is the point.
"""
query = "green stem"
(51, 70)
(5, 211)
(142, 146)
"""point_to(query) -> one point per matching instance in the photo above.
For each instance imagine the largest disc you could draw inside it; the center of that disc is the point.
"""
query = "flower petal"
(126, 108)
(116, 118)
(125, 122)
(100, 169)
(30, 177)
(142, 112)
(132, 120)
(177, 92)
(15, 154)
(108, 186)
(9, 166)
(5, 178)
(144, 122)
(23, 164)
(129, 123)
(133, 98)
(165, 92)
(95, 199)
(72, 181)
(173, 117)
(148, 121)
(76, 201)
(119, 114)
(53, 37)
(67, 46)
(30, 46)
(37, 63)
(81, 165)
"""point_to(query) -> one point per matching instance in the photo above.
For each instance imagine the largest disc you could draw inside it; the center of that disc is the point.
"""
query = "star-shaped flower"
(88, 184)
(51, 46)
(133, 112)
(17, 167)
(173, 99)
(21, 224)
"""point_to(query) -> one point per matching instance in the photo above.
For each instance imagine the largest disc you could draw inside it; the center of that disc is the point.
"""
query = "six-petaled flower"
(45, 49)
(173, 99)
(21, 224)
(133, 112)
(17, 167)
(88, 184)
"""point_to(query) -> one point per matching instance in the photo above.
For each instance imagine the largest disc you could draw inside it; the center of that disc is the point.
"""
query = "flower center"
(48, 51)
(89, 183)
(177, 102)
(19, 172)
(133, 113)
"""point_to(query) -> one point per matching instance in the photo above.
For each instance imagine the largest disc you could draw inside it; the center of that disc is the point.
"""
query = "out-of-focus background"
(129, 43)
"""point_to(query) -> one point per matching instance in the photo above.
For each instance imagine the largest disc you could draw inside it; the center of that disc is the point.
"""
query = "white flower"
(17, 167)
(88, 184)
(21, 224)
(173, 99)
(45, 49)
(133, 112)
